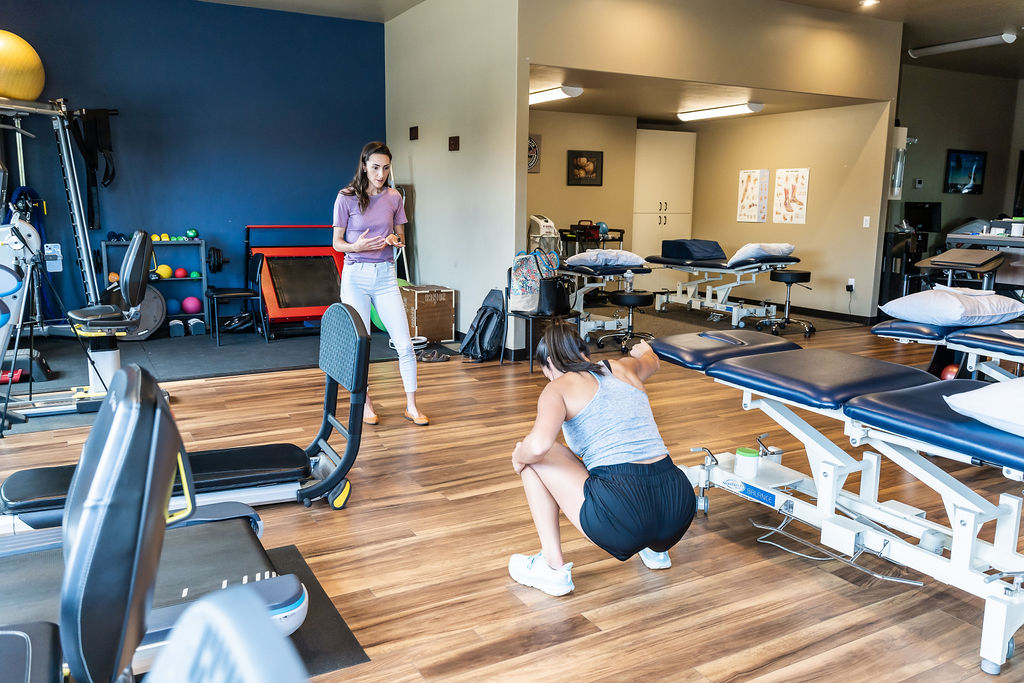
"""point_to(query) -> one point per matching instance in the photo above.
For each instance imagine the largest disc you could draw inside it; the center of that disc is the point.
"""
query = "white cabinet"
(662, 197)
(664, 172)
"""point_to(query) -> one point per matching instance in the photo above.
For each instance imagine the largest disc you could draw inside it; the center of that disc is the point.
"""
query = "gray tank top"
(616, 427)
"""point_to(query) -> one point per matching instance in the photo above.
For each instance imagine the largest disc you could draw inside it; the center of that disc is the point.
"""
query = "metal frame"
(716, 297)
(852, 523)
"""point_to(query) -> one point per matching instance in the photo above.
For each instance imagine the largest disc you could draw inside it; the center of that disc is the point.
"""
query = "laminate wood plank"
(417, 562)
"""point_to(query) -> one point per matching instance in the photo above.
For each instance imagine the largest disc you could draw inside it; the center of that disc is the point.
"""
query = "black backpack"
(483, 340)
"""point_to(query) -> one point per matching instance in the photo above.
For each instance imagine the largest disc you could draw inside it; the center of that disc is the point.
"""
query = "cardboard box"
(431, 311)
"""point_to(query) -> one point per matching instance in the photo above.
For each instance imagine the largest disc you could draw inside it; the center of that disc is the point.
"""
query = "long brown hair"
(361, 181)
(568, 353)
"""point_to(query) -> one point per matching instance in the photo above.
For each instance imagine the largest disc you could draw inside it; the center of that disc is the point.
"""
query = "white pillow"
(999, 405)
(758, 249)
(605, 257)
(952, 306)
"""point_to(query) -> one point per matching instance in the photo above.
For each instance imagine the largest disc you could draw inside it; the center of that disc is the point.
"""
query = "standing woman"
(369, 219)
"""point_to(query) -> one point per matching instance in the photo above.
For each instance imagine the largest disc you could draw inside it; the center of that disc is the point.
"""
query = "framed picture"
(584, 168)
(533, 153)
(965, 171)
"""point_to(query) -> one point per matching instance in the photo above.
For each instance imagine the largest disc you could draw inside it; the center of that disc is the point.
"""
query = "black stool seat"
(790, 276)
(630, 299)
(637, 297)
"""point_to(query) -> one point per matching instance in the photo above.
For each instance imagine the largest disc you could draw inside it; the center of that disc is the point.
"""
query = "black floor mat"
(324, 641)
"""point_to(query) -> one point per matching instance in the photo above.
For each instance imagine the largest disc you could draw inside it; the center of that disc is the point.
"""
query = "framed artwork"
(533, 153)
(752, 205)
(584, 168)
(965, 172)
(790, 204)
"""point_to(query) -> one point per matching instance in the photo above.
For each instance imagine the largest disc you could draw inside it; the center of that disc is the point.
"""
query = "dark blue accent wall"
(228, 115)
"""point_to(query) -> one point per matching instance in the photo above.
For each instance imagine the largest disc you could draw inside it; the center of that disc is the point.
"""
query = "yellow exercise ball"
(21, 70)
(164, 271)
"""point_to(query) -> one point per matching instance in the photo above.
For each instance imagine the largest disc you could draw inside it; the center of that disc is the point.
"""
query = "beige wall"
(758, 43)
(952, 110)
(547, 192)
(452, 81)
(844, 148)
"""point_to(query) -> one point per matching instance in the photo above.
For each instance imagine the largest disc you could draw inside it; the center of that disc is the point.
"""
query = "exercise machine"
(255, 475)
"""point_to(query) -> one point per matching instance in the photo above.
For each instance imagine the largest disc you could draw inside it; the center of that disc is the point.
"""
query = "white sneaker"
(653, 560)
(533, 571)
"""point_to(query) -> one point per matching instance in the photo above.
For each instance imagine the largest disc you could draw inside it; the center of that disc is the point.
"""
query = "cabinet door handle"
(666, 220)
(666, 206)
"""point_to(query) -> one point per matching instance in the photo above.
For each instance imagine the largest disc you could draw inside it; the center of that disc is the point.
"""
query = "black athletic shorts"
(629, 507)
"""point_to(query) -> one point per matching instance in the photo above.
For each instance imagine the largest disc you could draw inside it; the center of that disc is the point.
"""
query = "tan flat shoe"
(422, 420)
(371, 419)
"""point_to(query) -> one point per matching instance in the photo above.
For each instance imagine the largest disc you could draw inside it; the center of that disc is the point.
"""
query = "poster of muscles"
(752, 206)
(790, 195)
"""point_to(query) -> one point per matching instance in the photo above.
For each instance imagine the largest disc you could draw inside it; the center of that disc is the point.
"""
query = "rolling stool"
(629, 300)
(790, 277)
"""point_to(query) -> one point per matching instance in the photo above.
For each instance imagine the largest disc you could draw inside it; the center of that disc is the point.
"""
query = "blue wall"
(228, 115)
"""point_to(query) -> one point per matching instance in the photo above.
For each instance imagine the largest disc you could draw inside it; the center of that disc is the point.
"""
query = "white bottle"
(629, 280)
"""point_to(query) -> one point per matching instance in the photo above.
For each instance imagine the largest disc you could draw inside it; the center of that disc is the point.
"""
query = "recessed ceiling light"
(559, 93)
(868, 3)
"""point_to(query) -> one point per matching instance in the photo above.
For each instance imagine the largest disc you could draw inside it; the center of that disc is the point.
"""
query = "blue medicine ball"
(173, 307)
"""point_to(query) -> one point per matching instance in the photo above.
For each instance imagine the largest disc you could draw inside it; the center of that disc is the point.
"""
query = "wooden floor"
(417, 562)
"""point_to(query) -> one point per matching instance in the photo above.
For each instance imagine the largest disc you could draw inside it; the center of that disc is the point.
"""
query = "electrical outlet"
(850, 284)
(867, 221)
(453, 143)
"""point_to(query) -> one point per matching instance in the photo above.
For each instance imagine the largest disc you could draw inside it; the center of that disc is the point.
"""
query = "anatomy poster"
(790, 195)
(752, 206)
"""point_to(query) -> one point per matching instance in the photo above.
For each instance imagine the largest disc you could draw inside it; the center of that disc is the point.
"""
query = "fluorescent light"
(733, 110)
(868, 3)
(1001, 39)
(559, 93)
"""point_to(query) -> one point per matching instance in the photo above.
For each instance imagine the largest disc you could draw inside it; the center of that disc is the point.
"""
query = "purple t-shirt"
(384, 211)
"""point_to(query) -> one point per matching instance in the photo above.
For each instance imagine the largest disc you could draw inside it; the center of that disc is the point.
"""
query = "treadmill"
(254, 475)
(101, 573)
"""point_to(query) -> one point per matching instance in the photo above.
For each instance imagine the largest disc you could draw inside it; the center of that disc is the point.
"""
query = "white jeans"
(377, 283)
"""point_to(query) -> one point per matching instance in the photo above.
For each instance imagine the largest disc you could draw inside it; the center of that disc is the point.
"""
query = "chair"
(529, 318)
(790, 278)
(628, 299)
(102, 324)
(251, 292)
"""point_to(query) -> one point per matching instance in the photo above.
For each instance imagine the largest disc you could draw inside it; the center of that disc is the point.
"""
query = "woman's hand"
(394, 240)
(516, 465)
(640, 349)
(364, 243)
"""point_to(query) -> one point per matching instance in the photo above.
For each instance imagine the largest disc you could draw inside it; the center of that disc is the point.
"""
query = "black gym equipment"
(630, 299)
(255, 475)
(112, 578)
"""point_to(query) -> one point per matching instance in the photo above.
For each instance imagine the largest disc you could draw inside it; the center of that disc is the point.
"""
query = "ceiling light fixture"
(1001, 39)
(732, 110)
(559, 93)
(868, 3)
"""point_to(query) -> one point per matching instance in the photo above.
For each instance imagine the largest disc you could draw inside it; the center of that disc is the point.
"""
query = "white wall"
(1016, 145)
(451, 70)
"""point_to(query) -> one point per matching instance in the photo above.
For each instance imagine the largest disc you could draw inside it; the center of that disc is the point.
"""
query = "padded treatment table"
(699, 350)
(893, 412)
(960, 345)
(594, 278)
(920, 413)
(717, 290)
